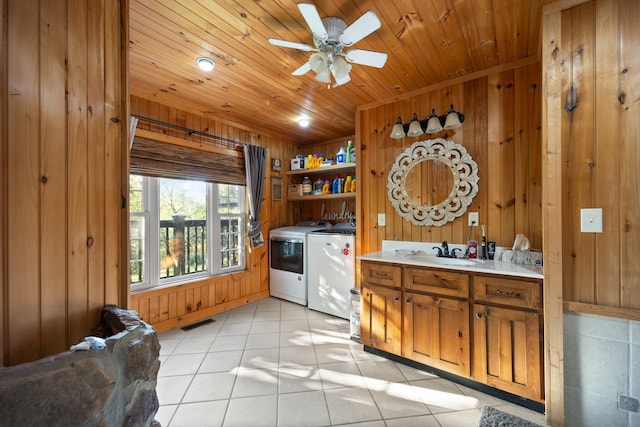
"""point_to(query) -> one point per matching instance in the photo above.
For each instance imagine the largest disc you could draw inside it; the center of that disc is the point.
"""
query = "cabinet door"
(508, 350)
(436, 332)
(381, 317)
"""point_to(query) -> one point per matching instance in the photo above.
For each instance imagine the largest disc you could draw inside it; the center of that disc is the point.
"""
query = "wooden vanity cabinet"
(507, 335)
(435, 331)
(381, 307)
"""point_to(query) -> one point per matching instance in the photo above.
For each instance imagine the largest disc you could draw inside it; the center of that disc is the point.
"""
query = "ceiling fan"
(330, 36)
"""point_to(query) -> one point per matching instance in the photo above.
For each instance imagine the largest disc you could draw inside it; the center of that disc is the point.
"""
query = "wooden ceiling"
(428, 42)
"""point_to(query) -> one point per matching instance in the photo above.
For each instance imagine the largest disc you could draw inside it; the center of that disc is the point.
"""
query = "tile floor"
(275, 363)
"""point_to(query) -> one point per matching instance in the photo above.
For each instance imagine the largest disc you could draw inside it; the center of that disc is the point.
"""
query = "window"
(182, 230)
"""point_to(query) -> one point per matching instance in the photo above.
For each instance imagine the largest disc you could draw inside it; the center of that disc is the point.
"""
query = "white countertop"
(421, 255)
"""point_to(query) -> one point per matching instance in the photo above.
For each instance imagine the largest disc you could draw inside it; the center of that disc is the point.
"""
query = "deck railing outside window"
(183, 246)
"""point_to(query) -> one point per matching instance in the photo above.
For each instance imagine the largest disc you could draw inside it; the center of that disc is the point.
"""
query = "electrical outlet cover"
(474, 219)
(591, 220)
(382, 219)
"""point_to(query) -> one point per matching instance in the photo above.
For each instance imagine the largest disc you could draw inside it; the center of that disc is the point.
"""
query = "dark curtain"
(255, 164)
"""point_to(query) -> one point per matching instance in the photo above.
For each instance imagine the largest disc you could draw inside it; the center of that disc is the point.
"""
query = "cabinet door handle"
(381, 274)
(407, 301)
(396, 299)
(478, 315)
(499, 292)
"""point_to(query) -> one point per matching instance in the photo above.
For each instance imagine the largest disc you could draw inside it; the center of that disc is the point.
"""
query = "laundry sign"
(337, 215)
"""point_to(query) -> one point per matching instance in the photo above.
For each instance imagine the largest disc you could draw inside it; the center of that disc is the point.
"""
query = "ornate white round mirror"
(432, 182)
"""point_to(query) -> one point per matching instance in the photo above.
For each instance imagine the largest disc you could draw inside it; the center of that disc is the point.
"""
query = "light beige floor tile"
(413, 374)
(470, 418)
(239, 317)
(294, 314)
(378, 423)
(294, 325)
(399, 400)
(221, 361)
(268, 304)
(267, 327)
(443, 396)
(168, 345)
(332, 353)
(229, 342)
(266, 316)
(419, 421)
(297, 356)
(235, 329)
(255, 341)
(175, 333)
(209, 330)
(252, 411)
(375, 371)
(255, 382)
(165, 413)
(193, 345)
(340, 375)
(302, 409)
(266, 358)
(295, 338)
(181, 364)
(351, 405)
(209, 414)
(170, 390)
(210, 386)
(293, 379)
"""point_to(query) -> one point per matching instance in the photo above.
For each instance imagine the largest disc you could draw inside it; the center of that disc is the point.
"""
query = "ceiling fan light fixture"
(303, 121)
(205, 64)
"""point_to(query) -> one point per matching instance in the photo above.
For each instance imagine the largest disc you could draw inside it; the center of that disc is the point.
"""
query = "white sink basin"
(443, 261)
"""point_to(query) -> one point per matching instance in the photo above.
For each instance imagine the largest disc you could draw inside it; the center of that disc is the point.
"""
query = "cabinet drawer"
(381, 274)
(441, 282)
(521, 293)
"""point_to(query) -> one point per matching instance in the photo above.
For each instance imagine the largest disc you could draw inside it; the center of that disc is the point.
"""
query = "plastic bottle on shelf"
(347, 184)
(309, 162)
(336, 187)
(348, 157)
(352, 152)
(317, 186)
(340, 156)
(353, 184)
(306, 186)
(326, 188)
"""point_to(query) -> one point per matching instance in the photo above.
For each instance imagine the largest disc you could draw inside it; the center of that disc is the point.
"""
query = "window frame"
(151, 248)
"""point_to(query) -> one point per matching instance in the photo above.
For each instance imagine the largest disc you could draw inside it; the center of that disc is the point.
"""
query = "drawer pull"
(381, 274)
(499, 292)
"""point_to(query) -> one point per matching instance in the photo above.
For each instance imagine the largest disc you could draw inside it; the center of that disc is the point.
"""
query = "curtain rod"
(189, 131)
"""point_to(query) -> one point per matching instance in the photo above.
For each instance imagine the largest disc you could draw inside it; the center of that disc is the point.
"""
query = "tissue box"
(297, 163)
(295, 190)
(529, 257)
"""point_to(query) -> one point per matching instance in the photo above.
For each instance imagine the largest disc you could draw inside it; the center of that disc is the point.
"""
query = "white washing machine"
(332, 269)
(288, 260)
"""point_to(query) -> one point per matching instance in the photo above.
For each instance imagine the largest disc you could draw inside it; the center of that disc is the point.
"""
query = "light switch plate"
(382, 219)
(591, 220)
(474, 219)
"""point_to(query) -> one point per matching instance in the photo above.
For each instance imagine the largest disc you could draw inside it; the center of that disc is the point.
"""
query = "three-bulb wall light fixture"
(432, 124)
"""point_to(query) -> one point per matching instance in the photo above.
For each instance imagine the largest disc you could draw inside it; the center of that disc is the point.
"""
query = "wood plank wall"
(501, 131)
(63, 126)
(598, 57)
(184, 304)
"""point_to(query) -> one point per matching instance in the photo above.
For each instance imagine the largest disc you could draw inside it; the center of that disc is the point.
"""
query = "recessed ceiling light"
(205, 64)
(303, 121)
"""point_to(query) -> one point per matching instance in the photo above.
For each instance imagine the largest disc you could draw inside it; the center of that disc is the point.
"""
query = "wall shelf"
(312, 198)
(338, 168)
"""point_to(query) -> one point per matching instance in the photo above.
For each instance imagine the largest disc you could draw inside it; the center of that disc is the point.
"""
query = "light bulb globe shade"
(398, 130)
(205, 64)
(433, 125)
(453, 119)
(414, 127)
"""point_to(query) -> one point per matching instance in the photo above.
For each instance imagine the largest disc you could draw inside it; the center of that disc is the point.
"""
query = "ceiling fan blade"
(366, 57)
(292, 45)
(311, 15)
(360, 29)
(302, 70)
